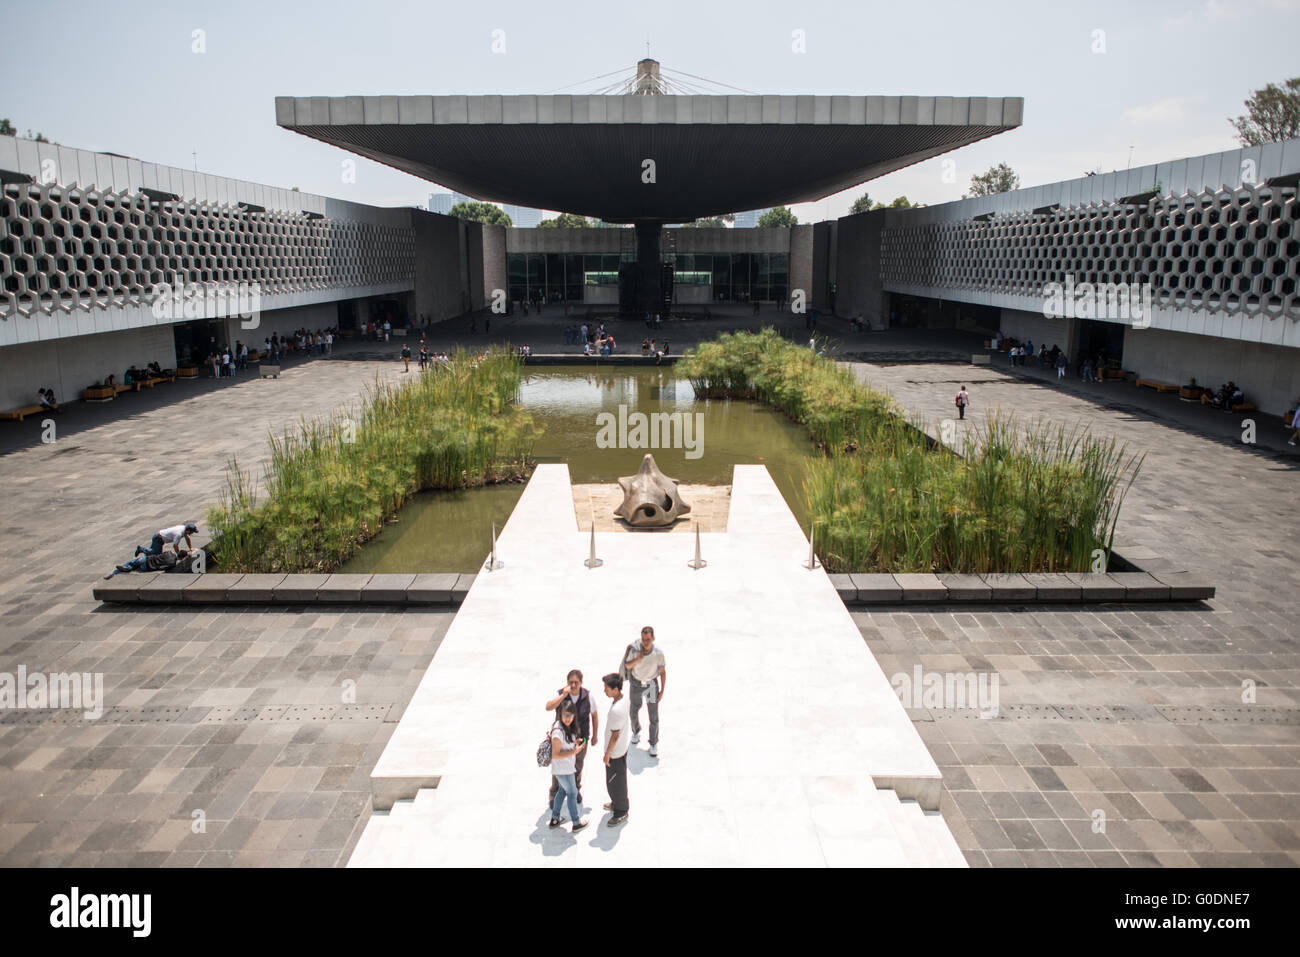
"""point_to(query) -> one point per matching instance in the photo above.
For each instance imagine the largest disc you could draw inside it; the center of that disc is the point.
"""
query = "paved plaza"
(246, 714)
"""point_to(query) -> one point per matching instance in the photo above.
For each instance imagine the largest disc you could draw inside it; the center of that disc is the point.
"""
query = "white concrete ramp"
(782, 742)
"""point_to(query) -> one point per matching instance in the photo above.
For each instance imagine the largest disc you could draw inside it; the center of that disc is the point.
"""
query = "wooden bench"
(188, 372)
(1157, 385)
(1244, 407)
(17, 414)
(103, 393)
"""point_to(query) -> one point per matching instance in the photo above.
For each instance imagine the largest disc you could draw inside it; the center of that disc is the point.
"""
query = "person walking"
(406, 357)
(616, 745)
(565, 746)
(1060, 365)
(1295, 425)
(588, 722)
(645, 667)
(963, 400)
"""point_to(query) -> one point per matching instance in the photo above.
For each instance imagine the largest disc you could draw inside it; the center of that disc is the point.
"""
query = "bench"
(1157, 385)
(103, 393)
(188, 372)
(268, 370)
(17, 414)
(1244, 407)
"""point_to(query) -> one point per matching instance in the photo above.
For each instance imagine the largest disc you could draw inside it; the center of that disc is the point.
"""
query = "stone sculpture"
(650, 498)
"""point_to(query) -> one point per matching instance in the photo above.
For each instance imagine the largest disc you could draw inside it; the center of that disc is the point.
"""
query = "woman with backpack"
(963, 399)
(565, 744)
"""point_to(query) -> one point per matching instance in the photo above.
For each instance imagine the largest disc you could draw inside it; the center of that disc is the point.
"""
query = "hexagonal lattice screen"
(1227, 250)
(63, 248)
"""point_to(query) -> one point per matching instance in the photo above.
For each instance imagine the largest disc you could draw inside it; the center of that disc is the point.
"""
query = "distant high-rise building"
(523, 217)
(749, 219)
(443, 202)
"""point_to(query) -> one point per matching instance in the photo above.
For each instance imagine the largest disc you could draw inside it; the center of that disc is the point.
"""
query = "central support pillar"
(648, 298)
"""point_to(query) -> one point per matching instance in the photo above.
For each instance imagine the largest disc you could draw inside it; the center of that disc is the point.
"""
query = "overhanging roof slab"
(712, 154)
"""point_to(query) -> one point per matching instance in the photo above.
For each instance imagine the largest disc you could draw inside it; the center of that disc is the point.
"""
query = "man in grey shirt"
(644, 664)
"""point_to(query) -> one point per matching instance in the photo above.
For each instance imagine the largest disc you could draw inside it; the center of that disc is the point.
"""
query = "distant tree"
(861, 205)
(7, 128)
(780, 216)
(487, 213)
(40, 137)
(900, 202)
(999, 179)
(565, 221)
(1272, 114)
(711, 221)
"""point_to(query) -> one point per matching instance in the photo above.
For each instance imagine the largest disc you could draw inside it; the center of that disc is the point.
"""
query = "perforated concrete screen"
(1219, 250)
(63, 248)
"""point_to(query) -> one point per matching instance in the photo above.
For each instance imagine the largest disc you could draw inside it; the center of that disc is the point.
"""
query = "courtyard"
(1128, 717)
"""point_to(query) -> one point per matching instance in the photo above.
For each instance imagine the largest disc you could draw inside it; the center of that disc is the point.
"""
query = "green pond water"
(451, 531)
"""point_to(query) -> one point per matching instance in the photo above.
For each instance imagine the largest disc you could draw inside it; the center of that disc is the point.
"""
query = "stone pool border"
(451, 589)
(1038, 588)
(276, 589)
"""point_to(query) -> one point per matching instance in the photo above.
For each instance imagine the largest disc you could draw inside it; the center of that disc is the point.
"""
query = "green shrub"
(331, 485)
(885, 498)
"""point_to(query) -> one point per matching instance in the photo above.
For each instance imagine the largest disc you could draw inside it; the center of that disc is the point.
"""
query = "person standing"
(587, 721)
(406, 357)
(1060, 366)
(565, 746)
(616, 745)
(645, 666)
(963, 400)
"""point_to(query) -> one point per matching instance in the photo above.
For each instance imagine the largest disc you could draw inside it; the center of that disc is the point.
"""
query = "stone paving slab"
(1010, 587)
(461, 589)
(124, 587)
(876, 588)
(966, 587)
(296, 588)
(432, 588)
(1098, 586)
(1140, 586)
(254, 588)
(210, 587)
(848, 591)
(1184, 586)
(342, 588)
(921, 588)
(1054, 586)
(387, 588)
(167, 587)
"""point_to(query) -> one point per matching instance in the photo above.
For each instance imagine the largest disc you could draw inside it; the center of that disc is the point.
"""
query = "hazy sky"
(126, 79)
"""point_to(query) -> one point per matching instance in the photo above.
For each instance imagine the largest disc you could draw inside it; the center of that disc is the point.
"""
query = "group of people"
(152, 371)
(583, 334)
(155, 557)
(642, 677)
(378, 331)
(649, 348)
(1228, 395)
(425, 359)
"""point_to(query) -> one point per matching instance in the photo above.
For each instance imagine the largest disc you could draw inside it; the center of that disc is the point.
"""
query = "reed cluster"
(331, 485)
(885, 498)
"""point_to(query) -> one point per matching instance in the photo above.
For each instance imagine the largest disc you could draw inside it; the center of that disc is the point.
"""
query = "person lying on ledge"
(162, 562)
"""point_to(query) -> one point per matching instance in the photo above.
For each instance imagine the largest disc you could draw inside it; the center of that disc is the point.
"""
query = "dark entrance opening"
(1100, 339)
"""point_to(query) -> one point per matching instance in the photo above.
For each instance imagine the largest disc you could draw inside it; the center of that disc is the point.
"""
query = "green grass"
(885, 498)
(331, 485)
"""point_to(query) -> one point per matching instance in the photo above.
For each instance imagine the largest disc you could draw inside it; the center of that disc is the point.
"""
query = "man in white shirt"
(615, 749)
(644, 664)
(170, 536)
